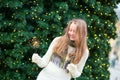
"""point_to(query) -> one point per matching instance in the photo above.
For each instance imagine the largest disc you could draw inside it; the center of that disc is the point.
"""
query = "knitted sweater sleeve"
(76, 69)
(42, 62)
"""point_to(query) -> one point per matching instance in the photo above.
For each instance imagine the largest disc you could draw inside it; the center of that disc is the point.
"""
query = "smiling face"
(72, 31)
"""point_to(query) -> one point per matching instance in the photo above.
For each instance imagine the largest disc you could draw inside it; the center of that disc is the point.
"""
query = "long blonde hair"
(80, 42)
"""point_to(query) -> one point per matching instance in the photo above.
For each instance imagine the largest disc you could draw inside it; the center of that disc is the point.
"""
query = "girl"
(66, 55)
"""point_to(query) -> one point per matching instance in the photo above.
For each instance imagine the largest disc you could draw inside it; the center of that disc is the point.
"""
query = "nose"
(71, 32)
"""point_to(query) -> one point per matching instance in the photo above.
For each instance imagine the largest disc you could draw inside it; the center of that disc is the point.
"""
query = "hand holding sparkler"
(35, 45)
(36, 58)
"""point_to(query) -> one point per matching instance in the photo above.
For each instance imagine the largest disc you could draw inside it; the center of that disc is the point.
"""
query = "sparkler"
(35, 44)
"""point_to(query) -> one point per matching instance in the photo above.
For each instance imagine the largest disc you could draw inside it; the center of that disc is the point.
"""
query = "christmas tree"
(21, 21)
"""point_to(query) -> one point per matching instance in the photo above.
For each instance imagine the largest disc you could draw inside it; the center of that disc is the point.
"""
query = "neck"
(72, 43)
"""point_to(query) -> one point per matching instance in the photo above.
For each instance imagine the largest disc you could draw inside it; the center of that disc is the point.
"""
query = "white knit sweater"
(52, 72)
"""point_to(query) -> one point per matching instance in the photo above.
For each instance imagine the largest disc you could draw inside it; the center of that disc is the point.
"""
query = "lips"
(71, 37)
